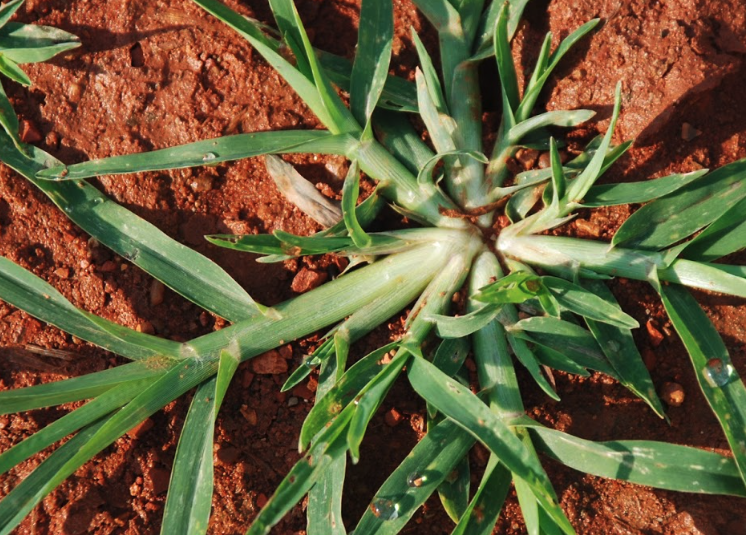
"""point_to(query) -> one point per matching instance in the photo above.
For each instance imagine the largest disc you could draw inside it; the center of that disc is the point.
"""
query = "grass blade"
(104, 404)
(68, 458)
(678, 215)
(588, 304)
(349, 386)
(415, 479)
(481, 515)
(305, 473)
(7, 11)
(723, 237)
(719, 381)
(637, 192)
(177, 266)
(504, 57)
(573, 341)
(350, 194)
(458, 403)
(190, 490)
(24, 289)
(369, 72)
(11, 69)
(268, 49)
(454, 490)
(655, 464)
(341, 119)
(31, 43)
(207, 152)
(24, 497)
(534, 89)
(78, 388)
(8, 119)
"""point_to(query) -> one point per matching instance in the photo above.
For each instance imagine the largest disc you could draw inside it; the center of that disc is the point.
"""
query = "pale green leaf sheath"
(505, 295)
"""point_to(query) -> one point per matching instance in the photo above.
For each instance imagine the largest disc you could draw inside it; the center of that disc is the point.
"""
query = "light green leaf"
(29, 43)
(665, 221)
(207, 152)
(718, 379)
(637, 192)
(416, 478)
(27, 291)
(458, 403)
(369, 72)
(655, 464)
(587, 304)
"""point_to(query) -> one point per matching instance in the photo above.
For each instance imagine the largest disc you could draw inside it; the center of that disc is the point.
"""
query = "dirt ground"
(155, 74)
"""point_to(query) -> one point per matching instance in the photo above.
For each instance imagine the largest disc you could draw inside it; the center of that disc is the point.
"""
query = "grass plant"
(453, 189)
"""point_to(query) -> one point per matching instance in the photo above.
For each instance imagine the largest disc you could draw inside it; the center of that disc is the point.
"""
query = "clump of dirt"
(156, 74)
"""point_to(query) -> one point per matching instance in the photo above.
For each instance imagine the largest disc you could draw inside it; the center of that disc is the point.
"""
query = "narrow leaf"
(31, 43)
(369, 72)
(655, 464)
(207, 152)
(718, 379)
(672, 218)
(458, 403)
(637, 192)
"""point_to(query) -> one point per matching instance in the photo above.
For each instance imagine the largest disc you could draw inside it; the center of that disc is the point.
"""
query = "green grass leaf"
(190, 490)
(79, 388)
(306, 472)
(665, 221)
(350, 194)
(350, 385)
(7, 11)
(454, 490)
(252, 32)
(458, 403)
(372, 57)
(577, 299)
(107, 402)
(11, 69)
(415, 479)
(619, 347)
(30, 43)
(718, 379)
(655, 464)
(637, 192)
(24, 289)
(177, 266)
(91, 440)
(207, 152)
(540, 77)
(481, 515)
(572, 340)
(724, 236)
(504, 57)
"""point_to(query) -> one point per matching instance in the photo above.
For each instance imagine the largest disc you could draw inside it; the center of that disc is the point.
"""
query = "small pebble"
(393, 417)
(656, 337)
(140, 429)
(249, 414)
(157, 292)
(293, 401)
(28, 132)
(688, 132)
(62, 272)
(226, 455)
(269, 363)
(672, 394)
(307, 280)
